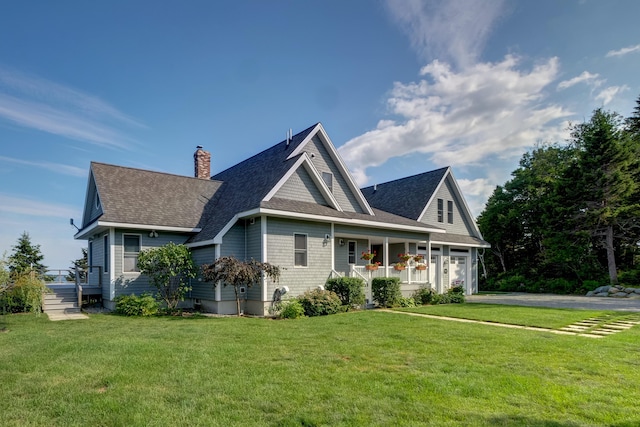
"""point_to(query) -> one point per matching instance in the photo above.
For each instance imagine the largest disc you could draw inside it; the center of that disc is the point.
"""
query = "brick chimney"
(202, 163)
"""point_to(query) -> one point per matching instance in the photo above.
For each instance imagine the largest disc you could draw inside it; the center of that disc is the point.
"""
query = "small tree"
(26, 257)
(169, 267)
(79, 267)
(230, 271)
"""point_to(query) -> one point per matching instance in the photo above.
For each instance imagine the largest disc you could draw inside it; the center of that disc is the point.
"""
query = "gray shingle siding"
(324, 163)
(342, 265)
(201, 289)
(460, 223)
(91, 210)
(280, 251)
(301, 187)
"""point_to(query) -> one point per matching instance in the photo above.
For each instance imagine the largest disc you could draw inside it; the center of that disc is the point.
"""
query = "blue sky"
(401, 87)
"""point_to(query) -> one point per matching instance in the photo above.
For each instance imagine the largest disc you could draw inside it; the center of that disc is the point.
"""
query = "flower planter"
(399, 267)
(421, 267)
(371, 267)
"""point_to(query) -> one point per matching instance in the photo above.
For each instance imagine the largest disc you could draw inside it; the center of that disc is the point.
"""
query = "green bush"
(319, 302)
(514, 283)
(291, 309)
(133, 305)
(423, 296)
(441, 299)
(386, 291)
(25, 294)
(407, 302)
(456, 295)
(349, 289)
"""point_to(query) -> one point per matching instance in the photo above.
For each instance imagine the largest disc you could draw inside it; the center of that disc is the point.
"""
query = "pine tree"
(606, 181)
(79, 267)
(26, 257)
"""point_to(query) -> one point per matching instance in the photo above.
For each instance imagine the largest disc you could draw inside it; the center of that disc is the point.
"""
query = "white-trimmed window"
(328, 179)
(105, 252)
(300, 250)
(352, 251)
(131, 246)
(449, 211)
(440, 210)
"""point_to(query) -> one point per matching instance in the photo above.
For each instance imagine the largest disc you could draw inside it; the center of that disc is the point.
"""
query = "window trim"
(329, 176)
(305, 251)
(139, 236)
(450, 211)
(106, 252)
(90, 256)
(355, 251)
(440, 210)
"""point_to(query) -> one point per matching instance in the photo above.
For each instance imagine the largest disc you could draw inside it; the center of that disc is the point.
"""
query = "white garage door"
(458, 270)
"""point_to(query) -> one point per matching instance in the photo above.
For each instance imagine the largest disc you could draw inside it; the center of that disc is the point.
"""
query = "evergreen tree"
(79, 267)
(26, 257)
(605, 182)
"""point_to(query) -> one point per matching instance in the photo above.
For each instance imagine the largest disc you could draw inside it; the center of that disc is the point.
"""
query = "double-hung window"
(131, 251)
(300, 250)
(449, 211)
(328, 179)
(352, 252)
(440, 210)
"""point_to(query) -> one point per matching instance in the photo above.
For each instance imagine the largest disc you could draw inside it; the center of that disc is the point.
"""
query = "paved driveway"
(558, 301)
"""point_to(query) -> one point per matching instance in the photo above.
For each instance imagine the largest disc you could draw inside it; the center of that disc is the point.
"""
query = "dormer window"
(97, 201)
(328, 179)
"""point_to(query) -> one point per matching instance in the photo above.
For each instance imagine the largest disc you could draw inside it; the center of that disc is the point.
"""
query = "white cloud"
(23, 206)
(486, 111)
(608, 94)
(586, 77)
(50, 107)
(454, 30)
(623, 51)
(53, 167)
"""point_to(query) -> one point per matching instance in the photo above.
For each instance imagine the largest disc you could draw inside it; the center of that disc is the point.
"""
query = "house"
(294, 205)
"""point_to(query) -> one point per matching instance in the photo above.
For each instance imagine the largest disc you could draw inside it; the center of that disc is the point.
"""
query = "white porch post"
(409, 273)
(386, 256)
(333, 250)
(428, 261)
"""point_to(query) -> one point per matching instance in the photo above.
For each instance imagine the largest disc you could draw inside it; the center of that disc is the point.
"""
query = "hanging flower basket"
(399, 267)
(371, 267)
(421, 267)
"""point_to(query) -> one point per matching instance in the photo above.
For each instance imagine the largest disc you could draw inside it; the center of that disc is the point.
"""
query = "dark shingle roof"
(406, 197)
(248, 182)
(135, 196)
(314, 209)
(460, 239)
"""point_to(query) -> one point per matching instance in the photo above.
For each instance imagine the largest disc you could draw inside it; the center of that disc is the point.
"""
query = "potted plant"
(372, 266)
(400, 266)
(368, 256)
(419, 260)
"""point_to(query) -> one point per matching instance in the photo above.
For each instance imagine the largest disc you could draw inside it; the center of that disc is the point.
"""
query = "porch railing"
(409, 275)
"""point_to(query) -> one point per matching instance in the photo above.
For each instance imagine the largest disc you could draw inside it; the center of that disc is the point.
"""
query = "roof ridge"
(273, 147)
(407, 177)
(152, 171)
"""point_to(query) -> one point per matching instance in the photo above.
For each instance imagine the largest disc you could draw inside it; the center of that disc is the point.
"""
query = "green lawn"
(551, 318)
(363, 368)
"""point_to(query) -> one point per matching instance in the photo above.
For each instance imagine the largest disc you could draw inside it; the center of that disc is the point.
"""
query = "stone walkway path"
(59, 315)
(590, 328)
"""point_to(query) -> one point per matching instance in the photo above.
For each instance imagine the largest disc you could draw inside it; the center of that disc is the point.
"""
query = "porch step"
(61, 300)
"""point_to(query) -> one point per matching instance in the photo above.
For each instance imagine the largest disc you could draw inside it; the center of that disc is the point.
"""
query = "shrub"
(319, 302)
(407, 302)
(291, 309)
(561, 286)
(349, 289)
(132, 305)
(386, 291)
(456, 295)
(423, 296)
(25, 294)
(441, 299)
(515, 283)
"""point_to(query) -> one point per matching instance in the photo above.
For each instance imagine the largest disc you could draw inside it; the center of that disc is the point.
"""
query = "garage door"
(458, 270)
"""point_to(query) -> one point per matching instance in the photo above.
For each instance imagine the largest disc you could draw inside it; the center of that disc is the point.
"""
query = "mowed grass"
(550, 318)
(355, 369)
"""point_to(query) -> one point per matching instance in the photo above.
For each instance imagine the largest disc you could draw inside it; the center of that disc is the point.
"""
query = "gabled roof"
(256, 180)
(141, 197)
(408, 196)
